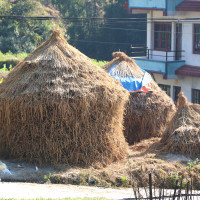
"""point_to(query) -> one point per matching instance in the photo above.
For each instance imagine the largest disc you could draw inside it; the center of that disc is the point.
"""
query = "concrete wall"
(187, 37)
(185, 82)
(187, 45)
(171, 6)
(151, 65)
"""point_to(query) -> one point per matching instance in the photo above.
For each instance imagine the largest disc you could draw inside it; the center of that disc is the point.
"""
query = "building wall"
(159, 4)
(185, 82)
(171, 6)
(187, 44)
(187, 37)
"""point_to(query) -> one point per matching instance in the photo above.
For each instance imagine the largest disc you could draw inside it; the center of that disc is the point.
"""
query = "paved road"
(29, 190)
(34, 191)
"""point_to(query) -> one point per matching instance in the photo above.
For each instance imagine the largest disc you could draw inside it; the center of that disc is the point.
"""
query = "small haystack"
(147, 114)
(183, 134)
(57, 107)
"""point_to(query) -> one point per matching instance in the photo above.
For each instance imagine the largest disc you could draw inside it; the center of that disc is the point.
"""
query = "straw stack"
(183, 134)
(147, 114)
(57, 107)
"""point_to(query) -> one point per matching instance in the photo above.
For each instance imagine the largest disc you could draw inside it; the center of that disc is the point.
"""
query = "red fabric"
(145, 89)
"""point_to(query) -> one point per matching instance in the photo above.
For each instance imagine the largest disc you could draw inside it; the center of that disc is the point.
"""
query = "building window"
(176, 91)
(196, 39)
(162, 36)
(195, 96)
(166, 88)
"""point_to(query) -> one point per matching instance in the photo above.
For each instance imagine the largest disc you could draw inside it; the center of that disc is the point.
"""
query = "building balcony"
(165, 62)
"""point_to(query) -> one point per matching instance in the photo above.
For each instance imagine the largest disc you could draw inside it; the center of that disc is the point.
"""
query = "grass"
(10, 56)
(99, 62)
(5, 70)
(9, 60)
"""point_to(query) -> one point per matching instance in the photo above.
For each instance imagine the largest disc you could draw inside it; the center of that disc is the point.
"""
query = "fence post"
(150, 187)
(175, 190)
(186, 195)
(179, 195)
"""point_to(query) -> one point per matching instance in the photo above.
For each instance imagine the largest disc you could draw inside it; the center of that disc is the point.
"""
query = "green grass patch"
(99, 63)
(11, 56)
(9, 60)
(5, 69)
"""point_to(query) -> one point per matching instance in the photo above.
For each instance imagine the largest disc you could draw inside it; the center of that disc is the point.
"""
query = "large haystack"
(147, 114)
(183, 134)
(57, 107)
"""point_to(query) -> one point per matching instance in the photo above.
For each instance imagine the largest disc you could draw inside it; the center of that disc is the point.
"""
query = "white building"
(173, 44)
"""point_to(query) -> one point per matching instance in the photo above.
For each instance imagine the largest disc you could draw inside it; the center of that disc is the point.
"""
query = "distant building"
(173, 44)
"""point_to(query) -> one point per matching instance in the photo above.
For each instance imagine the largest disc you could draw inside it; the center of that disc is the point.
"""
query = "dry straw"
(147, 115)
(3, 75)
(57, 107)
(183, 134)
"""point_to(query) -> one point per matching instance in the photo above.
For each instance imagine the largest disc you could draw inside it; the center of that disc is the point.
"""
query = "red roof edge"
(188, 70)
(188, 5)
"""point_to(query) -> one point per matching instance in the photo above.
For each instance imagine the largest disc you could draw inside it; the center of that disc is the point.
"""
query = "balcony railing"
(163, 62)
(157, 55)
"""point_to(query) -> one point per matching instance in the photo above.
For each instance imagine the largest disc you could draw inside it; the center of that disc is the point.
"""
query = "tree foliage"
(94, 37)
(22, 35)
(98, 38)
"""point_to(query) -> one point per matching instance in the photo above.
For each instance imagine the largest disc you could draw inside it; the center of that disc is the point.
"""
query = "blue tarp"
(130, 83)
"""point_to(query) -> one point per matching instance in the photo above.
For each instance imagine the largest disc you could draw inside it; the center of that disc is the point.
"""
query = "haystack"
(147, 114)
(57, 107)
(183, 134)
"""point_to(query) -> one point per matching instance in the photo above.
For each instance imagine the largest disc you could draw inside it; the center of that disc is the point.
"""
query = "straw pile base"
(147, 115)
(183, 133)
(79, 132)
(57, 107)
(184, 140)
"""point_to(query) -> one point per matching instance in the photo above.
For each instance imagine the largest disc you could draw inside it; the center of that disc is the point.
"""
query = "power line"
(99, 27)
(146, 20)
(100, 42)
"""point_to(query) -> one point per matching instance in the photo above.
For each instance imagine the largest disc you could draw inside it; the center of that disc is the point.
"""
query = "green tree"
(22, 35)
(99, 38)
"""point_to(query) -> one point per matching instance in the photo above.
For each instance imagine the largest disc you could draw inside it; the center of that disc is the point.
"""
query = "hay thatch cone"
(147, 114)
(57, 107)
(183, 133)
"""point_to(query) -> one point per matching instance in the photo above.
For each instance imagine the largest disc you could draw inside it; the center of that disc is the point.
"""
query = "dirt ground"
(143, 158)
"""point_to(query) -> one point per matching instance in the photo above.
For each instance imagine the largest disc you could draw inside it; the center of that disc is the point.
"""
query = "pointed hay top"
(56, 67)
(125, 66)
(122, 56)
(182, 101)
